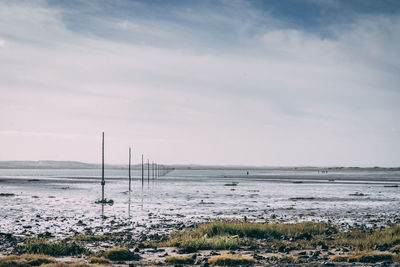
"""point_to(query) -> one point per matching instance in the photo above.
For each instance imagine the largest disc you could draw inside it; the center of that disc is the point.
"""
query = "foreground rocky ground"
(225, 243)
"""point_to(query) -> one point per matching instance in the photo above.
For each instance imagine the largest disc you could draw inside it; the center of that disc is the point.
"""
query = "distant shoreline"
(49, 164)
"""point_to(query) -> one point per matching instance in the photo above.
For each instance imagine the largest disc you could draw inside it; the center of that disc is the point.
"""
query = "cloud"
(245, 92)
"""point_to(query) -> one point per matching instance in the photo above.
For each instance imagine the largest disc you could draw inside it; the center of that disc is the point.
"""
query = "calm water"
(55, 200)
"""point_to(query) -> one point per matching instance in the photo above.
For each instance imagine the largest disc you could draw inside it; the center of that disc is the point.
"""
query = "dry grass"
(364, 256)
(179, 260)
(100, 260)
(186, 240)
(262, 230)
(120, 254)
(233, 234)
(74, 264)
(231, 260)
(92, 237)
(58, 248)
(379, 239)
(25, 260)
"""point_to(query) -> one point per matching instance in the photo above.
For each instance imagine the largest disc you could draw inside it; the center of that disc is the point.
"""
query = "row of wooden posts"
(157, 170)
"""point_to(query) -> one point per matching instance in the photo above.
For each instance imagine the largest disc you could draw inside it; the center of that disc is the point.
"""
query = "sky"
(266, 83)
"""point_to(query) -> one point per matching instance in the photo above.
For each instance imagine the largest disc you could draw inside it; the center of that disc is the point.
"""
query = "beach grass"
(365, 256)
(57, 248)
(99, 260)
(364, 245)
(231, 260)
(303, 230)
(376, 240)
(73, 264)
(92, 238)
(186, 240)
(119, 254)
(179, 260)
(221, 235)
(25, 260)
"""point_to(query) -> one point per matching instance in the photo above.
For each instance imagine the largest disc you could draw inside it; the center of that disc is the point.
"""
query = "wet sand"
(63, 206)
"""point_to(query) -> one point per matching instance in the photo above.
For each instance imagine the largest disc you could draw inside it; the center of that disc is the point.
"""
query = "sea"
(63, 201)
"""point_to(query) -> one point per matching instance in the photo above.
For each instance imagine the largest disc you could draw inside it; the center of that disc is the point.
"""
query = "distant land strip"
(53, 164)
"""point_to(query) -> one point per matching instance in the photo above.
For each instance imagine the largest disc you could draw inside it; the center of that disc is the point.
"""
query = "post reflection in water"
(129, 205)
(102, 212)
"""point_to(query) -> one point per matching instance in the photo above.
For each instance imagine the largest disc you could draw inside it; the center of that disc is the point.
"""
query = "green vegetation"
(304, 230)
(231, 260)
(364, 245)
(92, 237)
(58, 248)
(364, 256)
(75, 264)
(100, 260)
(191, 242)
(120, 254)
(360, 244)
(179, 260)
(378, 239)
(25, 260)
(233, 234)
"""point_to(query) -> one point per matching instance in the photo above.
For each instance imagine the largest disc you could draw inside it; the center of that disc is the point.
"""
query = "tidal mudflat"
(40, 206)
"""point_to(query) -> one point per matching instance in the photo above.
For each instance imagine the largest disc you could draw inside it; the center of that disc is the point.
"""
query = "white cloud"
(283, 97)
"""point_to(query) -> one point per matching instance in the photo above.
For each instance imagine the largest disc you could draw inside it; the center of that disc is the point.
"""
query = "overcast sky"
(209, 82)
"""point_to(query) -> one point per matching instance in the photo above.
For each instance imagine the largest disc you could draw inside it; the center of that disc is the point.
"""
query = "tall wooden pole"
(142, 171)
(129, 169)
(148, 170)
(102, 171)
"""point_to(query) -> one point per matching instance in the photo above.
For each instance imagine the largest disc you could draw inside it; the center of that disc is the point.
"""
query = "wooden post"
(148, 171)
(142, 171)
(102, 171)
(130, 170)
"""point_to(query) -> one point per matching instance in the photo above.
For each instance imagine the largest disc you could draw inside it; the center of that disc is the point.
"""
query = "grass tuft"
(192, 243)
(58, 248)
(233, 234)
(364, 256)
(377, 240)
(25, 260)
(120, 254)
(262, 230)
(179, 260)
(92, 237)
(100, 260)
(75, 264)
(231, 260)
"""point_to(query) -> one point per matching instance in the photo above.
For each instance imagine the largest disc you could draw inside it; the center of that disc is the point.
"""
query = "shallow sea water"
(62, 202)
